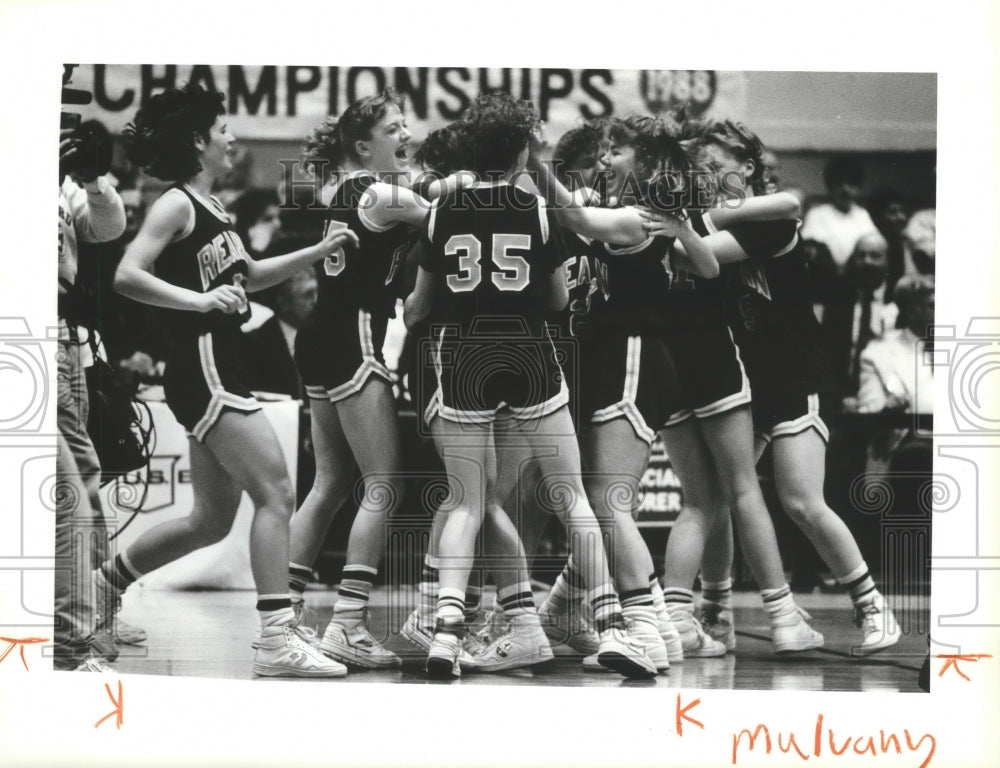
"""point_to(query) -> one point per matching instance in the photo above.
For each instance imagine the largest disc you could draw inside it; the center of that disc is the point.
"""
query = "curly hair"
(660, 158)
(580, 145)
(741, 143)
(446, 149)
(498, 127)
(332, 142)
(161, 138)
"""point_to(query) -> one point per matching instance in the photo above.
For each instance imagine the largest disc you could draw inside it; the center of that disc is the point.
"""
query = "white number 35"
(514, 270)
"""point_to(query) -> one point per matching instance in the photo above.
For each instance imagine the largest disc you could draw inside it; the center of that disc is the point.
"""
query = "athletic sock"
(636, 598)
(299, 577)
(570, 588)
(473, 598)
(119, 573)
(516, 600)
(450, 611)
(718, 592)
(428, 587)
(352, 597)
(859, 584)
(275, 610)
(778, 603)
(677, 598)
(606, 609)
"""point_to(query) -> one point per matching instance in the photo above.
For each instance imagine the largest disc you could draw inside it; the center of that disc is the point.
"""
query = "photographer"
(89, 210)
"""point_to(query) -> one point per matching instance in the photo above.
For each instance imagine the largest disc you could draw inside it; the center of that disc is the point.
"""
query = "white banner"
(286, 102)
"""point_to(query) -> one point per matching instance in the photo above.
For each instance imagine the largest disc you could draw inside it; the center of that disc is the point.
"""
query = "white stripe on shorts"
(626, 406)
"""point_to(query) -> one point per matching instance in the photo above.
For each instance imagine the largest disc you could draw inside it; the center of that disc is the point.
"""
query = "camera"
(94, 147)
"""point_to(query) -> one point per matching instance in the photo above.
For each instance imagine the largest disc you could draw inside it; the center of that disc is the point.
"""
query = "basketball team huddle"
(564, 313)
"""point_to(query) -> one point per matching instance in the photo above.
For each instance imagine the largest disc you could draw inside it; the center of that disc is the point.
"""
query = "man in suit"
(273, 343)
(858, 310)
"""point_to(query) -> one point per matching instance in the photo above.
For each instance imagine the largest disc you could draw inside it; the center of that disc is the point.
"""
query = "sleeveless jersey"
(367, 277)
(211, 255)
(770, 311)
(632, 286)
(695, 302)
(489, 246)
(572, 320)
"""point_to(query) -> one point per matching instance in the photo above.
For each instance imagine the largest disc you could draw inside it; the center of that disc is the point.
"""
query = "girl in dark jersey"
(489, 248)
(442, 153)
(339, 356)
(627, 382)
(188, 260)
(769, 310)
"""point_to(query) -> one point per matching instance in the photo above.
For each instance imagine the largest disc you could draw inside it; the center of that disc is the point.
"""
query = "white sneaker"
(643, 629)
(621, 653)
(646, 635)
(355, 645)
(419, 630)
(718, 624)
(878, 626)
(442, 658)
(95, 664)
(671, 637)
(492, 625)
(524, 645)
(694, 641)
(793, 634)
(572, 627)
(304, 620)
(127, 634)
(284, 652)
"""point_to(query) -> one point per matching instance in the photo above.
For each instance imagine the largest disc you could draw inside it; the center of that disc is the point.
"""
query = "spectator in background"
(893, 373)
(919, 242)
(257, 220)
(89, 210)
(841, 221)
(272, 345)
(889, 211)
(857, 310)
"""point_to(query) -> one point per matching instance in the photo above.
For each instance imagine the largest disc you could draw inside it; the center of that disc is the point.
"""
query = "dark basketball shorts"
(477, 377)
(783, 415)
(711, 376)
(425, 391)
(336, 359)
(204, 376)
(627, 376)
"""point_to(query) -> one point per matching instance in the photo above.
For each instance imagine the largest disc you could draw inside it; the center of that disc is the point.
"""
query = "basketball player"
(627, 382)
(767, 303)
(489, 249)
(444, 152)
(187, 259)
(339, 355)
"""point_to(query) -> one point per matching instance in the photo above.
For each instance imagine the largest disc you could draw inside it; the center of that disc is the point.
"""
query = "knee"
(274, 492)
(382, 493)
(805, 512)
(210, 529)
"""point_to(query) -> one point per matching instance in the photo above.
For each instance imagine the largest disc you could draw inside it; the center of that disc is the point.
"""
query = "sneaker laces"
(864, 615)
(709, 616)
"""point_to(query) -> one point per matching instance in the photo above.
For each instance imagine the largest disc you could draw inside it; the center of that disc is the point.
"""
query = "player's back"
(489, 246)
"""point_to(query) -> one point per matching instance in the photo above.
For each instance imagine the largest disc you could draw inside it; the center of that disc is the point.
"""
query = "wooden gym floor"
(207, 634)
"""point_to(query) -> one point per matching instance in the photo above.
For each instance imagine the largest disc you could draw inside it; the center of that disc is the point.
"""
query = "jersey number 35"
(513, 271)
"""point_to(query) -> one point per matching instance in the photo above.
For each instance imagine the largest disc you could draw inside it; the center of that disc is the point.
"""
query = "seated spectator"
(919, 242)
(257, 220)
(890, 214)
(840, 222)
(894, 375)
(273, 343)
(857, 310)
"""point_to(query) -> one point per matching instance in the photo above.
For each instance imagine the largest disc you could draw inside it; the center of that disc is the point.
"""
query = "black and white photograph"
(646, 433)
(415, 390)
